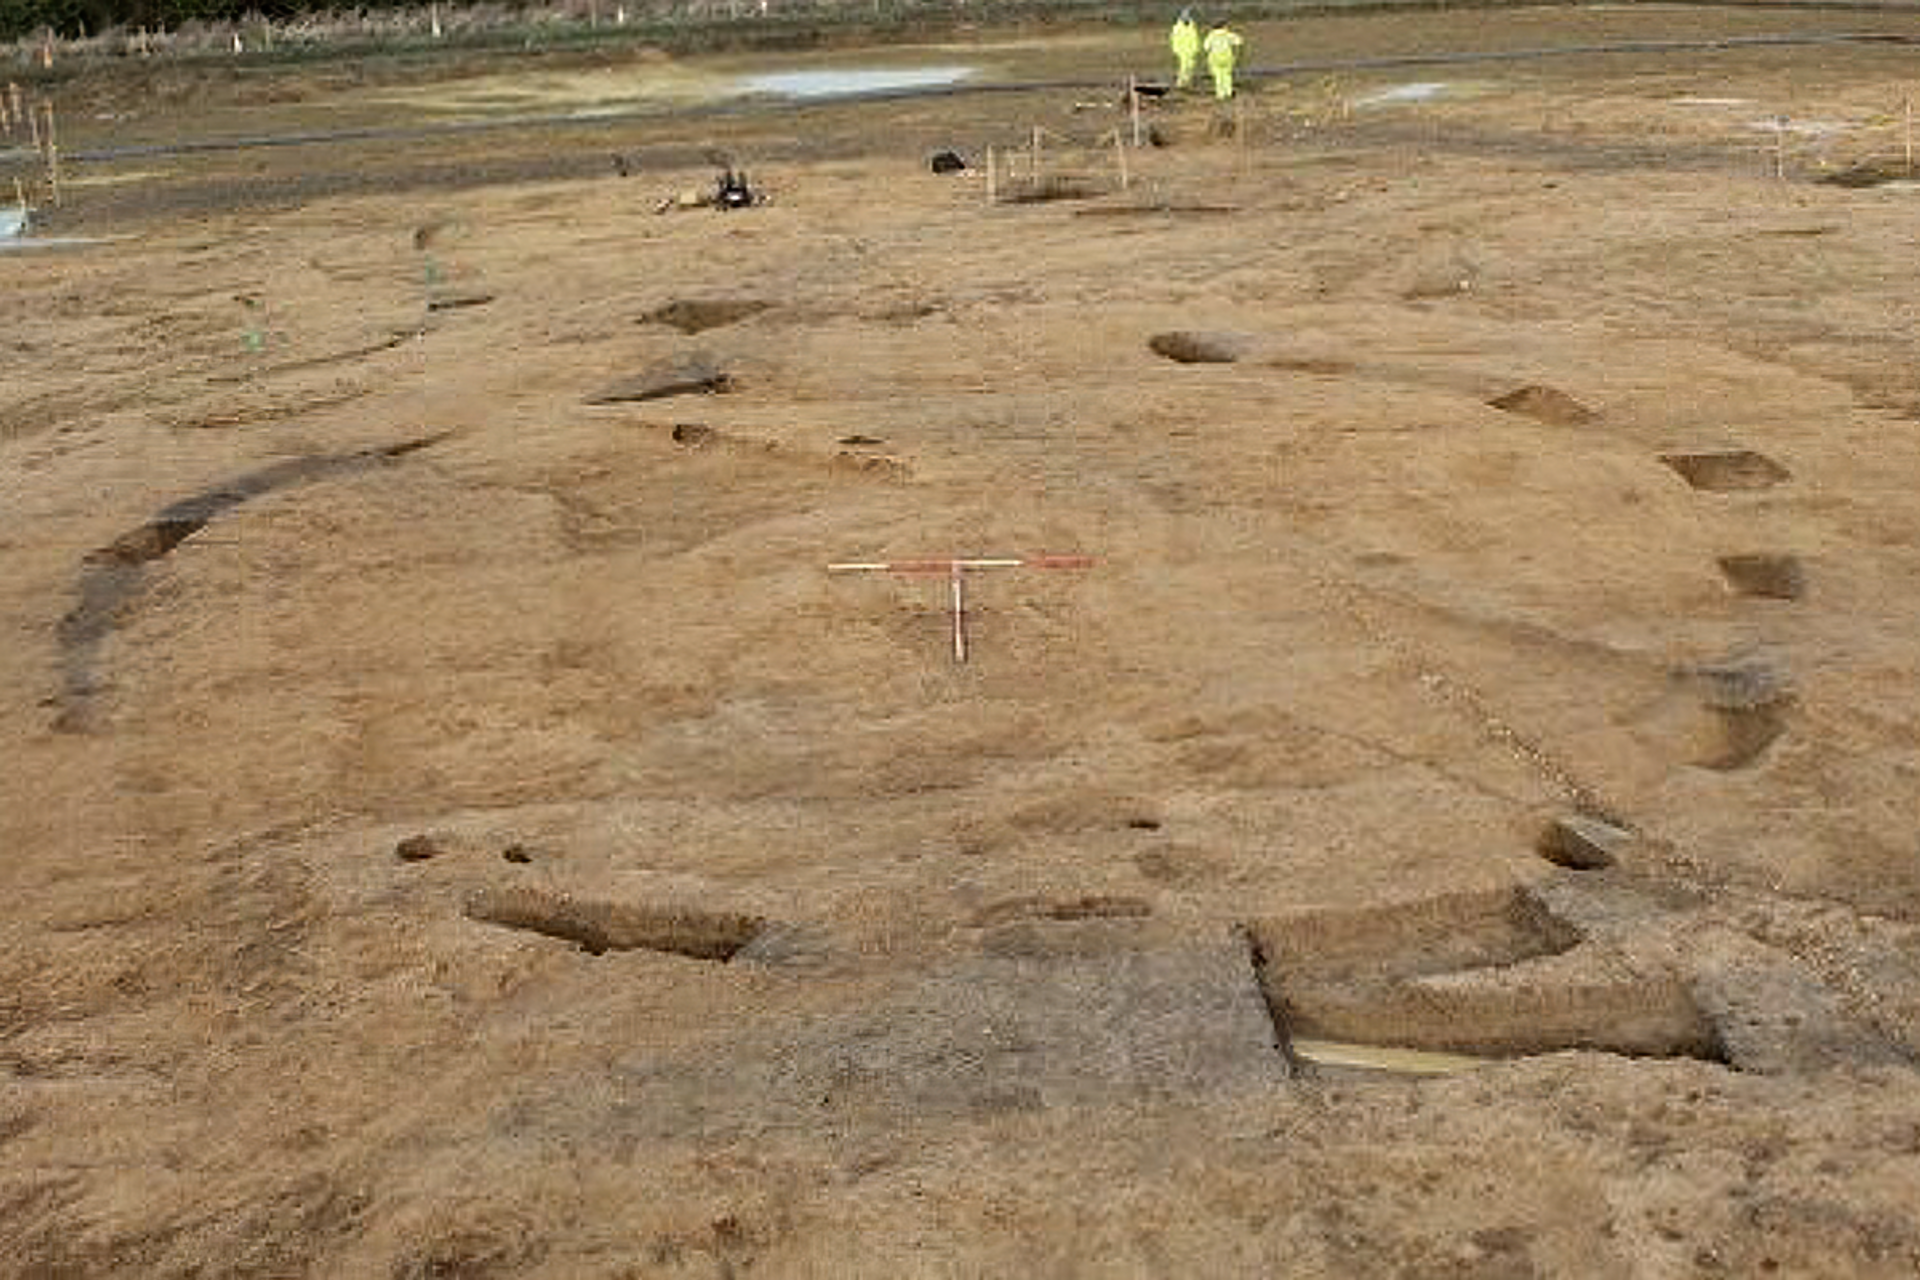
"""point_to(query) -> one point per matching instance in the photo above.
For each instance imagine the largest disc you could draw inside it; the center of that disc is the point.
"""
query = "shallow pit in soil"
(1745, 734)
(1727, 470)
(697, 315)
(1581, 843)
(598, 926)
(1767, 577)
(1544, 404)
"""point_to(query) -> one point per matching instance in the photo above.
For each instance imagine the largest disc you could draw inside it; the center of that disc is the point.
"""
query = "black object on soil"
(734, 191)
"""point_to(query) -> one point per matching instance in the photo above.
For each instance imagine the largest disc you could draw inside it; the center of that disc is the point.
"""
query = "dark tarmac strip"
(748, 106)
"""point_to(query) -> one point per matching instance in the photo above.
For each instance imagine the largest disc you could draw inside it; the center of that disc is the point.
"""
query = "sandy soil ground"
(1461, 824)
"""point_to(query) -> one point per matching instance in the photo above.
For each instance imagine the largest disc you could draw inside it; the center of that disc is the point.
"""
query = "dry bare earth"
(456, 827)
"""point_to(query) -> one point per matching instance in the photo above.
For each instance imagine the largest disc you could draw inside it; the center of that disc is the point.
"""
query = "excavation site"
(709, 648)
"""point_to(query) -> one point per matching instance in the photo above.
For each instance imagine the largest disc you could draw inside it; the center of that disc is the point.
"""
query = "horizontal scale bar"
(948, 565)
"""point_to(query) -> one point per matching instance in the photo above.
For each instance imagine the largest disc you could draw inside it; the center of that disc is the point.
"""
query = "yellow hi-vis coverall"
(1185, 40)
(1223, 50)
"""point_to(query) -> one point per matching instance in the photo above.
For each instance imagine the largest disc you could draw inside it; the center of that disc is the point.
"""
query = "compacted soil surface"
(1435, 799)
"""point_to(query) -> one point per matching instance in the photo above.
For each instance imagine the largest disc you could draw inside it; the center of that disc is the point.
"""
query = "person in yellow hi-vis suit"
(1223, 50)
(1185, 39)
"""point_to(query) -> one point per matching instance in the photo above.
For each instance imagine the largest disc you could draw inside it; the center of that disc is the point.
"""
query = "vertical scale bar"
(959, 615)
(956, 569)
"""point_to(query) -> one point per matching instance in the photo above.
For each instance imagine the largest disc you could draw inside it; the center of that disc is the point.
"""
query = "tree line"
(80, 19)
(75, 18)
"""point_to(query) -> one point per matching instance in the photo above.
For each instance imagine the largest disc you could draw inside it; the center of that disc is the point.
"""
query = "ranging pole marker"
(956, 568)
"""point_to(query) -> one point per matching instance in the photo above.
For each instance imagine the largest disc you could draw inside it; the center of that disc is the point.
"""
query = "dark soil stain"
(113, 577)
(458, 300)
(1187, 346)
(680, 376)
(697, 315)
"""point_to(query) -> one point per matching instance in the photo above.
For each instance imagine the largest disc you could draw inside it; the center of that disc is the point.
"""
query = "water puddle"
(111, 179)
(1419, 91)
(852, 82)
(1802, 128)
(15, 235)
(22, 244)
